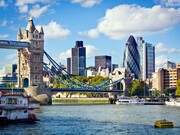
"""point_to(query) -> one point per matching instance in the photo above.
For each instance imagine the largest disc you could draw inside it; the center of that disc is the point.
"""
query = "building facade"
(147, 58)
(170, 64)
(103, 62)
(30, 60)
(69, 65)
(10, 70)
(114, 66)
(78, 59)
(131, 60)
(166, 78)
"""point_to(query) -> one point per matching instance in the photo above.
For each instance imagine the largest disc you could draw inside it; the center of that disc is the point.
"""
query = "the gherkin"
(131, 60)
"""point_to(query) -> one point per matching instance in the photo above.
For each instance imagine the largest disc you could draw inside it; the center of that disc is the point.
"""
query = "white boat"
(16, 108)
(173, 102)
(124, 100)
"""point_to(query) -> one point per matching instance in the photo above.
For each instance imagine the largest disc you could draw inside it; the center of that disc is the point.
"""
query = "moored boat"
(16, 108)
(173, 102)
(124, 100)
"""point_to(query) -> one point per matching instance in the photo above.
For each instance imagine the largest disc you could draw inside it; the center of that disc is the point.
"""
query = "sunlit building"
(131, 60)
(78, 59)
(147, 58)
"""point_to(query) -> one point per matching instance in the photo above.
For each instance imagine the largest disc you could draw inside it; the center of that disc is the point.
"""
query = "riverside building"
(166, 78)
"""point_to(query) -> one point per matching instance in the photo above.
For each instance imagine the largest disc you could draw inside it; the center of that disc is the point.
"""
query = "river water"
(59, 119)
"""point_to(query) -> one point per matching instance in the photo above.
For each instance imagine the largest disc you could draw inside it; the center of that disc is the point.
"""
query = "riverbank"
(81, 100)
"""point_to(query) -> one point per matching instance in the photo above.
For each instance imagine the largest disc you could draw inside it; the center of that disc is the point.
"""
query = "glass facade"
(103, 62)
(78, 59)
(147, 58)
(131, 60)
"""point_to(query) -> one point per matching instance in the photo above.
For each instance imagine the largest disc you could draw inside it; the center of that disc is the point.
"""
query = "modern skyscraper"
(131, 60)
(69, 65)
(169, 64)
(114, 66)
(147, 58)
(78, 59)
(103, 62)
(10, 70)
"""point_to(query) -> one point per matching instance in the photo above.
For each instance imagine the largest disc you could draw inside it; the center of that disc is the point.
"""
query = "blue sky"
(103, 25)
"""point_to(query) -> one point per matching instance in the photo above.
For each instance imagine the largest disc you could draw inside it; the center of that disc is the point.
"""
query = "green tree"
(166, 91)
(178, 88)
(136, 88)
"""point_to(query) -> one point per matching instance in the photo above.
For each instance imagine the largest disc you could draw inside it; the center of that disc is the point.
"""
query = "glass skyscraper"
(103, 62)
(131, 60)
(147, 58)
(78, 59)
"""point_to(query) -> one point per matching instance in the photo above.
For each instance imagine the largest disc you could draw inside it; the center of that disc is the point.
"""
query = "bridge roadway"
(65, 90)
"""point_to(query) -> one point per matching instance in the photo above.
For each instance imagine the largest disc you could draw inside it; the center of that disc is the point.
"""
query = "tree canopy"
(136, 88)
(178, 88)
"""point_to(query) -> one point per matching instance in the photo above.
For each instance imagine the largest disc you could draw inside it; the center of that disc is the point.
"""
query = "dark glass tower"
(78, 59)
(131, 61)
(103, 62)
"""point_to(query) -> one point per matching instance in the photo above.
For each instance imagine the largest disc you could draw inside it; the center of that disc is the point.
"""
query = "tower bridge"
(30, 48)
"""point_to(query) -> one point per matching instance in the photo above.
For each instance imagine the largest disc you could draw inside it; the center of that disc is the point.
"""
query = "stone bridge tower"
(30, 60)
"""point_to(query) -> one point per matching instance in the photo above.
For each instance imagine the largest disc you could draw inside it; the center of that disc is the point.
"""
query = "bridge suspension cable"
(72, 82)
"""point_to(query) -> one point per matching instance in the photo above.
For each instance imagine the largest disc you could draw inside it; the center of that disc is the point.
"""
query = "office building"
(114, 66)
(166, 78)
(131, 60)
(69, 65)
(169, 64)
(103, 62)
(78, 59)
(147, 58)
(11, 70)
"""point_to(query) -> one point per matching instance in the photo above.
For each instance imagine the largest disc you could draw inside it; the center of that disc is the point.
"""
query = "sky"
(103, 25)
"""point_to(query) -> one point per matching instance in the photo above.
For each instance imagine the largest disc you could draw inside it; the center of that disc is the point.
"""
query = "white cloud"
(93, 33)
(2, 3)
(86, 3)
(160, 47)
(3, 23)
(36, 11)
(25, 2)
(23, 9)
(54, 31)
(160, 61)
(91, 51)
(124, 20)
(169, 3)
(64, 55)
(9, 59)
(4, 36)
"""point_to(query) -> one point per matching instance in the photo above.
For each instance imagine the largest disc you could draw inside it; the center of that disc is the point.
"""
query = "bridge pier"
(39, 94)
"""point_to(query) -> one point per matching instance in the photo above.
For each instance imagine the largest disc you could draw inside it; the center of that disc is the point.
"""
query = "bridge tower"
(30, 60)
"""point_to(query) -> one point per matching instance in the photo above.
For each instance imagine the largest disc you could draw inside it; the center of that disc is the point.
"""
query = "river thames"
(59, 119)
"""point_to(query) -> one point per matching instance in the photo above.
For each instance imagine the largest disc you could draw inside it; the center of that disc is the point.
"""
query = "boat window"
(0, 101)
(12, 100)
(25, 111)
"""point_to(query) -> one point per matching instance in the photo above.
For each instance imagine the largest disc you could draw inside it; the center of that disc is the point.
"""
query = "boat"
(163, 124)
(16, 108)
(173, 102)
(124, 100)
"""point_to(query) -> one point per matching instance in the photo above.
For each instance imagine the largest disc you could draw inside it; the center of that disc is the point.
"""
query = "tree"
(136, 88)
(166, 91)
(178, 88)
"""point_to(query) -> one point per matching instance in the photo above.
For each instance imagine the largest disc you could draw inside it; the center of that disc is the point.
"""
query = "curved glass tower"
(131, 60)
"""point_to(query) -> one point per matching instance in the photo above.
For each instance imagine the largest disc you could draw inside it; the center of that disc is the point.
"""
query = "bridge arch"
(26, 82)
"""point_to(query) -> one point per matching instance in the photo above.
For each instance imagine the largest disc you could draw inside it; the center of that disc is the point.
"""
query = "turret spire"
(30, 26)
(41, 30)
